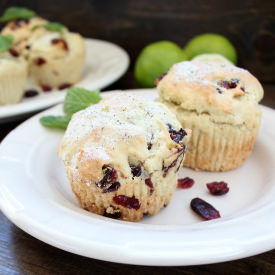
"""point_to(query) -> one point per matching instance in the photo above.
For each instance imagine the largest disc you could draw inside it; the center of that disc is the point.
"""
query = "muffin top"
(8, 61)
(21, 29)
(222, 90)
(121, 131)
(53, 44)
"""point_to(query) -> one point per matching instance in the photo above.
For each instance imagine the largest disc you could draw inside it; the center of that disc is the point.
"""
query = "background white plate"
(105, 63)
(36, 196)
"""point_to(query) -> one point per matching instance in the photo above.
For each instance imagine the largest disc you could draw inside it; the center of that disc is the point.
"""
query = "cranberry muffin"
(122, 156)
(21, 30)
(219, 103)
(56, 59)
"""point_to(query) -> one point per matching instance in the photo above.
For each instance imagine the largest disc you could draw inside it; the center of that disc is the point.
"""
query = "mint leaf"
(5, 42)
(76, 100)
(16, 13)
(52, 26)
(79, 98)
(36, 27)
(55, 121)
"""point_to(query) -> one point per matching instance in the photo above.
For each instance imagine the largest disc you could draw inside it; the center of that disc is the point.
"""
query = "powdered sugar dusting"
(114, 122)
(186, 70)
(198, 71)
(94, 153)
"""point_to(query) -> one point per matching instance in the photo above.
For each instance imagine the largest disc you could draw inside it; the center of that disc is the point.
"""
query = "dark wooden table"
(20, 253)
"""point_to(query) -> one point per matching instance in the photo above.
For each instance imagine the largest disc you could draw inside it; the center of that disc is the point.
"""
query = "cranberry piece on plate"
(185, 183)
(204, 209)
(217, 188)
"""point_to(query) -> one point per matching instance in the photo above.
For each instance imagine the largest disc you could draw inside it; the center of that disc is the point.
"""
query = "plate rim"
(23, 223)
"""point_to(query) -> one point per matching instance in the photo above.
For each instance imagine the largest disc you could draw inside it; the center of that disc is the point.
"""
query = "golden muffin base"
(219, 150)
(91, 198)
(215, 146)
(13, 78)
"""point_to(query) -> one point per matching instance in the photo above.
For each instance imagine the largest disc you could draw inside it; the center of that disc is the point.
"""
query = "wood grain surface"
(132, 24)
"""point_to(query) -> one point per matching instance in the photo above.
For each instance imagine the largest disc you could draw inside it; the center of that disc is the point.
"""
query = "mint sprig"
(55, 121)
(5, 42)
(16, 13)
(52, 26)
(76, 99)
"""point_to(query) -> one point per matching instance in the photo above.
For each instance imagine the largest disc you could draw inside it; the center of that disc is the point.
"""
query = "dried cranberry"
(242, 88)
(109, 181)
(217, 187)
(165, 169)
(46, 88)
(111, 187)
(122, 175)
(175, 135)
(18, 23)
(136, 171)
(64, 86)
(219, 90)
(149, 144)
(40, 61)
(158, 79)
(31, 93)
(131, 203)
(115, 215)
(13, 52)
(204, 209)
(61, 42)
(185, 183)
(229, 84)
(27, 47)
(109, 172)
(150, 184)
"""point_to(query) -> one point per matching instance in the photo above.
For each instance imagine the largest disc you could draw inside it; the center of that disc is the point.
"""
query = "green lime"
(156, 59)
(211, 43)
(212, 57)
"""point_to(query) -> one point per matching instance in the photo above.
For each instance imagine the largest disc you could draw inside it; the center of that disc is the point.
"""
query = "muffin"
(212, 57)
(56, 59)
(13, 77)
(122, 156)
(219, 103)
(21, 30)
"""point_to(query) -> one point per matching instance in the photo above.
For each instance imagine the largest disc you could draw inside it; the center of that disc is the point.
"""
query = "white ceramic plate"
(105, 63)
(36, 196)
